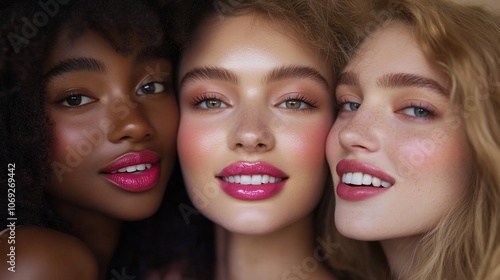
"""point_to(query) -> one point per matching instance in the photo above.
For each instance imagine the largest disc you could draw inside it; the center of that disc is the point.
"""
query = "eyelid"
(74, 92)
(309, 101)
(198, 99)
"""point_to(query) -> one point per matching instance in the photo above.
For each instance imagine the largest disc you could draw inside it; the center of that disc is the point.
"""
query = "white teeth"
(133, 168)
(367, 179)
(359, 179)
(251, 179)
(386, 184)
(265, 179)
(246, 180)
(257, 180)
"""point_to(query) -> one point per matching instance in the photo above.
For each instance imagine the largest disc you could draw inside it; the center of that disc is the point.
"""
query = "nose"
(129, 122)
(252, 132)
(362, 131)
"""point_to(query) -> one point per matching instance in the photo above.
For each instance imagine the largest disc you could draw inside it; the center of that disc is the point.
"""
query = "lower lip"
(252, 192)
(136, 182)
(349, 193)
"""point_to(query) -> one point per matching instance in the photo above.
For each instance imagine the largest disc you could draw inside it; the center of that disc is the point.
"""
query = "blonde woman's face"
(398, 151)
(256, 108)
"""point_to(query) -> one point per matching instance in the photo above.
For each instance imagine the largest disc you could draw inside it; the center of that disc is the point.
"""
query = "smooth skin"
(124, 104)
(250, 93)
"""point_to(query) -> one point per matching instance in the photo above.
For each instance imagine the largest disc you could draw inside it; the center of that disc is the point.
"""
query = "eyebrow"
(279, 73)
(396, 80)
(76, 64)
(399, 80)
(292, 71)
(209, 73)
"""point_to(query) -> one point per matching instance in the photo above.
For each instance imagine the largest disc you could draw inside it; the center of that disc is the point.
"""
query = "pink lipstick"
(363, 180)
(135, 171)
(252, 180)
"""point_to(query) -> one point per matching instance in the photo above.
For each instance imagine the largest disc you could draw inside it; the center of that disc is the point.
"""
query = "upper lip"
(347, 166)
(132, 158)
(252, 168)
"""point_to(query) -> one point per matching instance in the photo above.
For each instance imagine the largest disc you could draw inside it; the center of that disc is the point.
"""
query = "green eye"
(212, 104)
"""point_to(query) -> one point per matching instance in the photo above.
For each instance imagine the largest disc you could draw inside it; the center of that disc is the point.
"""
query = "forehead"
(393, 48)
(248, 40)
(89, 43)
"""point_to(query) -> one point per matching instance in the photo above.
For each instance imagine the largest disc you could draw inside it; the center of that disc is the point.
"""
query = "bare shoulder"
(41, 253)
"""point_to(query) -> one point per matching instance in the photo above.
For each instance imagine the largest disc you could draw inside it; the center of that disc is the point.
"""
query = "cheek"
(308, 143)
(198, 142)
(69, 139)
(166, 124)
(332, 144)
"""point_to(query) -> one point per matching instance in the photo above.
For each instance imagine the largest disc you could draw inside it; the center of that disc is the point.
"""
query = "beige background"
(491, 3)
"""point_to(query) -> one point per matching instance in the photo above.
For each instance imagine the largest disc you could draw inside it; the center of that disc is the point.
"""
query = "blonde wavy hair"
(464, 43)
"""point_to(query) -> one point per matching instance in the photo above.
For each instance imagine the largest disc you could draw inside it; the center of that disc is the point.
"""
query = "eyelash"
(431, 113)
(72, 93)
(197, 100)
(313, 104)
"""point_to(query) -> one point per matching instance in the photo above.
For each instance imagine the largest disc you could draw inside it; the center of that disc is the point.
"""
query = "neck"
(100, 233)
(400, 253)
(283, 254)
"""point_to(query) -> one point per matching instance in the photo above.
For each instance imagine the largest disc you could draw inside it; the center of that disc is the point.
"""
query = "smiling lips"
(252, 180)
(360, 181)
(135, 172)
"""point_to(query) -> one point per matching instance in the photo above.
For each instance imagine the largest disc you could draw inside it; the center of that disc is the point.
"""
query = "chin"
(251, 226)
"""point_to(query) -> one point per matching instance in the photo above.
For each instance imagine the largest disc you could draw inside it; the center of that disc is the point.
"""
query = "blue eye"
(76, 100)
(350, 106)
(417, 112)
(151, 88)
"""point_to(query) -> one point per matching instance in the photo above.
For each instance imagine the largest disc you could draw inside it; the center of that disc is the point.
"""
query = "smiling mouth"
(360, 179)
(252, 179)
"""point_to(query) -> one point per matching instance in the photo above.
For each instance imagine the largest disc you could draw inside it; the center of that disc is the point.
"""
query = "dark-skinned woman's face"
(115, 121)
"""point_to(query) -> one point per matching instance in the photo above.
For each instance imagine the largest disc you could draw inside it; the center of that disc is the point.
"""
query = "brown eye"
(151, 88)
(76, 100)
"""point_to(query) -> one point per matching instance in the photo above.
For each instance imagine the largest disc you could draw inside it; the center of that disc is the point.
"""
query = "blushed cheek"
(197, 143)
(313, 144)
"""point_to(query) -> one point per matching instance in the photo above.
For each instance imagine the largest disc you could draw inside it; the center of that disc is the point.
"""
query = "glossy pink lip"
(252, 192)
(357, 193)
(138, 181)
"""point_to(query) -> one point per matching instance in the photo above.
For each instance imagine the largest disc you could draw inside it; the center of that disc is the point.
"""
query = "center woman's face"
(256, 108)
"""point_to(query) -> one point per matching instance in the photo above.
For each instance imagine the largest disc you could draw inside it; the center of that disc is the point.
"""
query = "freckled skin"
(292, 141)
(429, 158)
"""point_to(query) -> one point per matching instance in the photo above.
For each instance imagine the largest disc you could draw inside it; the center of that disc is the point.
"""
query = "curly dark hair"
(28, 30)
